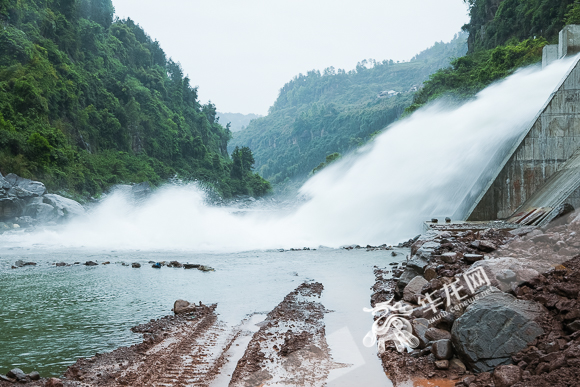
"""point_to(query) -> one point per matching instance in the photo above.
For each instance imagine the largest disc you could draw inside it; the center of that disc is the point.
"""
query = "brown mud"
(290, 348)
(545, 254)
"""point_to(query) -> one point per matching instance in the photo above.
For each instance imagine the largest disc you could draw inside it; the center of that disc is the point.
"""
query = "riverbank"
(491, 307)
(192, 346)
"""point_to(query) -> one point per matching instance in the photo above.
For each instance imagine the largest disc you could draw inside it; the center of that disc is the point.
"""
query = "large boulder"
(494, 328)
(4, 183)
(36, 188)
(11, 207)
(36, 208)
(65, 208)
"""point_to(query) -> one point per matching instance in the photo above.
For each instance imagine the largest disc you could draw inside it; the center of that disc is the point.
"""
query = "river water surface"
(50, 316)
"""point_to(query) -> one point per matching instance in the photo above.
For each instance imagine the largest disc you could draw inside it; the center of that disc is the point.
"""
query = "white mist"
(425, 165)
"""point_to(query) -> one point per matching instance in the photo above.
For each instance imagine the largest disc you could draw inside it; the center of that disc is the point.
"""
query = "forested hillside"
(318, 114)
(87, 101)
(503, 36)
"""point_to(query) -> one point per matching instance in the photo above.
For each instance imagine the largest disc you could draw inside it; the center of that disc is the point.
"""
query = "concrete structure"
(542, 171)
(569, 41)
(549, 54)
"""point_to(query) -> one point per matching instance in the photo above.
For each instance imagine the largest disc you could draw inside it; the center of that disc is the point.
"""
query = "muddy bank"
(290, 348)
(192, 347)
(519, 326)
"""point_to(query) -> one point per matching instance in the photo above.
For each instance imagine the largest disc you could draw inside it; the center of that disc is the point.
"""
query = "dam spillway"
(542, 170)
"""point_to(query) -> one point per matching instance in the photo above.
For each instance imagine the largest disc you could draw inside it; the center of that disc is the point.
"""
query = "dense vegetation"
(87, 101)
(503, 36)
(318, 114)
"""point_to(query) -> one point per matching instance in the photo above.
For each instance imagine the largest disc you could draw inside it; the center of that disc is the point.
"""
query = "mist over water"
(428, 164)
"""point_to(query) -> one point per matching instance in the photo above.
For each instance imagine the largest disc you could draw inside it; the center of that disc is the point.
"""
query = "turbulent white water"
(425, 165)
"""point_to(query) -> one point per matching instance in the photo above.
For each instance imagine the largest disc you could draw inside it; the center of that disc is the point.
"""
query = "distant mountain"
(318, 114)
(237, 121)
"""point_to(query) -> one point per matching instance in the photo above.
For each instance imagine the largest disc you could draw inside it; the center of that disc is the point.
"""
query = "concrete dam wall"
(542, 171)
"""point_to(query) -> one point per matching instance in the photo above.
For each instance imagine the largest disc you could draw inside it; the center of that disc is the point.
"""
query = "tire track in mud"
(177, 351)
(290, 349)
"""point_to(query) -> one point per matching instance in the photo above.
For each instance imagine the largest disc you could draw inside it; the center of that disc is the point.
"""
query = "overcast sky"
(241, 52)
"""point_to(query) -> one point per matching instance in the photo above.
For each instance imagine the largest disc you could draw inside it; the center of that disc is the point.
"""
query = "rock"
(39, 210)
(506, 375)
(574, 326)
(442, 364)
(522, 230)
(413, 289)
(420, 326)
(457, 366)
(472, 257)
(36, 188)
(135, 265)
(434, 334)
(494, 328)
(483, 245)
(25, 221)
(16, 373)
(191, 265)
(182, 307)
(34, 375)
(447, 219)
(7, 379)
(442, 349)
(65, 208)
(11, 207)
(404, 279)
(430, 273)
(54, 382)
(156, 265)
(418, 264)
(449, 257)
(4, 184)
(90, 263)
(205, 268)
(427, 249)
(506, 275)
(60, 264)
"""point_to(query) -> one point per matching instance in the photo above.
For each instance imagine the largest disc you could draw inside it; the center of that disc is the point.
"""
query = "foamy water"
(428, 164)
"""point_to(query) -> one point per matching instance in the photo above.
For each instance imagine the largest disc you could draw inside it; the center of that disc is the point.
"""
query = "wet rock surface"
(520, 328)
(26, 203)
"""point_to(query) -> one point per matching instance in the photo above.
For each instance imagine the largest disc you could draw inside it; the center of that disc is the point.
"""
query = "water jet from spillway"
(425, 165)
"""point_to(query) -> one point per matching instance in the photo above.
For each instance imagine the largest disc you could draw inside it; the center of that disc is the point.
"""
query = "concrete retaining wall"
(553, 138)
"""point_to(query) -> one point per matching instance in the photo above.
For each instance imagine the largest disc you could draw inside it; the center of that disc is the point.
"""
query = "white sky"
(241, 52)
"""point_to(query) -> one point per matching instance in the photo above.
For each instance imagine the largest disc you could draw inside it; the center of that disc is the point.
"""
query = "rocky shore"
(493, 307)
